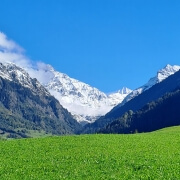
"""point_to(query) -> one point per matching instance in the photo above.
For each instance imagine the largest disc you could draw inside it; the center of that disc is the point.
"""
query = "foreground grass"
(139, 156)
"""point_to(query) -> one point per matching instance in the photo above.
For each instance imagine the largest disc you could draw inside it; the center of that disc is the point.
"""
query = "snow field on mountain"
(79, 98)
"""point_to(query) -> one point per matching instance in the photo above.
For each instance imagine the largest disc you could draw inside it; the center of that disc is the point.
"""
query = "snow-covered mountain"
(14, 73)
(118, 97)
(161, 75)
(86, 103)
(82, 100)
(26, 105)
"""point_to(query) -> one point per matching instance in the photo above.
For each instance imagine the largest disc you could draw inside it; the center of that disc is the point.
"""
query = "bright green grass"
(139, 156)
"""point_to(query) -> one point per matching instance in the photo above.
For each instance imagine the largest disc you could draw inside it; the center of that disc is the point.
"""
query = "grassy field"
(139, 156)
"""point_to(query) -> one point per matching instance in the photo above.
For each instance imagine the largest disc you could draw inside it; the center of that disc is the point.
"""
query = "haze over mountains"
(86, 103)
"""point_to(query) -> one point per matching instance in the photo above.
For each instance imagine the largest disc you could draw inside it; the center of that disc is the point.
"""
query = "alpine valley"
(33, 99)
(86, 103)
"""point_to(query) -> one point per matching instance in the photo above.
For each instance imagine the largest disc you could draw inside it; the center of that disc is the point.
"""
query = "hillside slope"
(169, 84)
(26, 105)
(155, 115)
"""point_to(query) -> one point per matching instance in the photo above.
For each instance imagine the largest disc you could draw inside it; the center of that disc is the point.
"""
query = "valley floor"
(153, 155)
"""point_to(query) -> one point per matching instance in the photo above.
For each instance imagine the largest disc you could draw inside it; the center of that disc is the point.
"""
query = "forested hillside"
(152, 94)
(158, 114)
(29, 106)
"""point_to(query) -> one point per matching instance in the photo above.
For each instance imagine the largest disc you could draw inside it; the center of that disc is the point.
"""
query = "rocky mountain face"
(152, 92)
(25, 105)
(86, 103)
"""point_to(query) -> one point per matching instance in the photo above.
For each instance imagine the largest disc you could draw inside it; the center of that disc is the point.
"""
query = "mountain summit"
(86, 103)
(160, 76)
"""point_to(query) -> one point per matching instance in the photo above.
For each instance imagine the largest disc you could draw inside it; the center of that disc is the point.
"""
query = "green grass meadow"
(153, 155)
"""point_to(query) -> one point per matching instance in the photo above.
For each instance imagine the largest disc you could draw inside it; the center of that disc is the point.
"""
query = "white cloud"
(7, 45)
(12, 52)
(41, 72)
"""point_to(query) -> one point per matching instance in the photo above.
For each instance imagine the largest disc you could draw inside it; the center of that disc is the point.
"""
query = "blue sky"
(105, 43)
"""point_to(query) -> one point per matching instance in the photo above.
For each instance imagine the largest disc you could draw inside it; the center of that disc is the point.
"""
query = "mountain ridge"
(86, 103)
(156, 91)
(160, 76)
(158, 114)
(29, 106)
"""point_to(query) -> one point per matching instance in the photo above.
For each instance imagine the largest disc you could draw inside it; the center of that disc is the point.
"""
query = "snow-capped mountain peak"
(167, 71)
(14, 73)
(161, 75)
(86, 103)
(124, 90)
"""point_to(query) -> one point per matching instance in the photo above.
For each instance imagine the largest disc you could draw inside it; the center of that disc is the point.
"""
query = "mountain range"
(164, 82)
(86, 103)
(43, 99)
